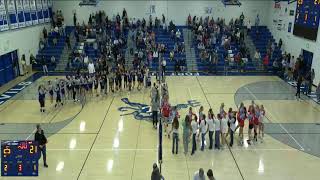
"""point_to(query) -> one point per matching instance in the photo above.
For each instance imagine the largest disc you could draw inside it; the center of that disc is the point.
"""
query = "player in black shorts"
(130, 81)
(58, 96)
(42, 97)
(125, 79)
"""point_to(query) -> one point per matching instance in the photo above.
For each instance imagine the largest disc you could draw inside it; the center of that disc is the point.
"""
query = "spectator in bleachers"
(280, 43)
(241, 19)
(266, 61)
(32, 59)
(275, 66)
(257, 21)
(44, 65)
(24, 65)
(68, 42)
(257, 57)
(91, 69)
(248, 26)
(42, 44)
(178, 35)
(54, 41)
(53, 60)
(45, 34)
(74, 19)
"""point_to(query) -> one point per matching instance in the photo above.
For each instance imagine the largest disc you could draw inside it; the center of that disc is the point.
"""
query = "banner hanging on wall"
(3, 17)
(33, 12)
(12, 13)
(39, 11)
(20, 13)
(27, 12)
(45, 10)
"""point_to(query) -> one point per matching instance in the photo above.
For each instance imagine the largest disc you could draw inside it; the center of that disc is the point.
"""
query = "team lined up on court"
(79, 87)
(220, 128)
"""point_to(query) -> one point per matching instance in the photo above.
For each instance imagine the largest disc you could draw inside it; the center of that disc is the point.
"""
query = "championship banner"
(39, 11)
(20, 13)
(12, 14)
(3, 17)
(45, 11)
(33, 12)
(27, 12)
(49, 3)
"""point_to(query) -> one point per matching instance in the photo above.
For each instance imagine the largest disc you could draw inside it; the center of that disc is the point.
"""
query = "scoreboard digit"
(19, 158)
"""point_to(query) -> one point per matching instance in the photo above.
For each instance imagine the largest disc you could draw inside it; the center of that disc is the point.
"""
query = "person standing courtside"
(42, 141)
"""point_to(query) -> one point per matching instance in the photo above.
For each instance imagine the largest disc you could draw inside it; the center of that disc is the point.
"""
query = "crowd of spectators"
(210, 35)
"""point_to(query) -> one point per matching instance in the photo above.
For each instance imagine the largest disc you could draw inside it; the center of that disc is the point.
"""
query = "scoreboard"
(19, 158)
(306, 22)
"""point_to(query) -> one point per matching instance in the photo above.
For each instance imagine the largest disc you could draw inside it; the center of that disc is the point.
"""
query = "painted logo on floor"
(13, 91)
(143, 111)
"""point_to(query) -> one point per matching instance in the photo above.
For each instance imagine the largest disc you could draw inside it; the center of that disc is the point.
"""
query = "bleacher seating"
(261, 41)
(164, 37)
(50, 50)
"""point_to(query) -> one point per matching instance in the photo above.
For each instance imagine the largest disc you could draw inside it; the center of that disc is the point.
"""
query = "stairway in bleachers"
(129, 57)
(191, 61)
(64, 60)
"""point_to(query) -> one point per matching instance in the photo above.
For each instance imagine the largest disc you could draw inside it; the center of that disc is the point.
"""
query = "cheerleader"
(125, 80)
(251, 114)
(133, 79)
(165, 110)
(58, 96)
(42, 97)
(82, 86)
(210, 122)
(50, 90)
(69, 86)
(217, 124)
(194, 128)
(90, 85)
(77, 85)
(232, 122)
(62, 85)
(241, 117)
(119, 80)
(173, 114)
(96, 85)
(74, 90)
(256, 121)
(191, 114)
(130, 81)
(203, 130)
(201, 114)
(105, 79)
(222, 111)
(224, 130)
(111, 79)
(102, 85)
(261, 122)
(140, 80)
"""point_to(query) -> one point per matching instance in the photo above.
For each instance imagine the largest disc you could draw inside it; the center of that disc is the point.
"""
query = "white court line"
(301, 148)
(168, 149)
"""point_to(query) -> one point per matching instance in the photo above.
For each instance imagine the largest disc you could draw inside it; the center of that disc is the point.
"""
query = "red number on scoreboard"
(20, 167)
(5, 168)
